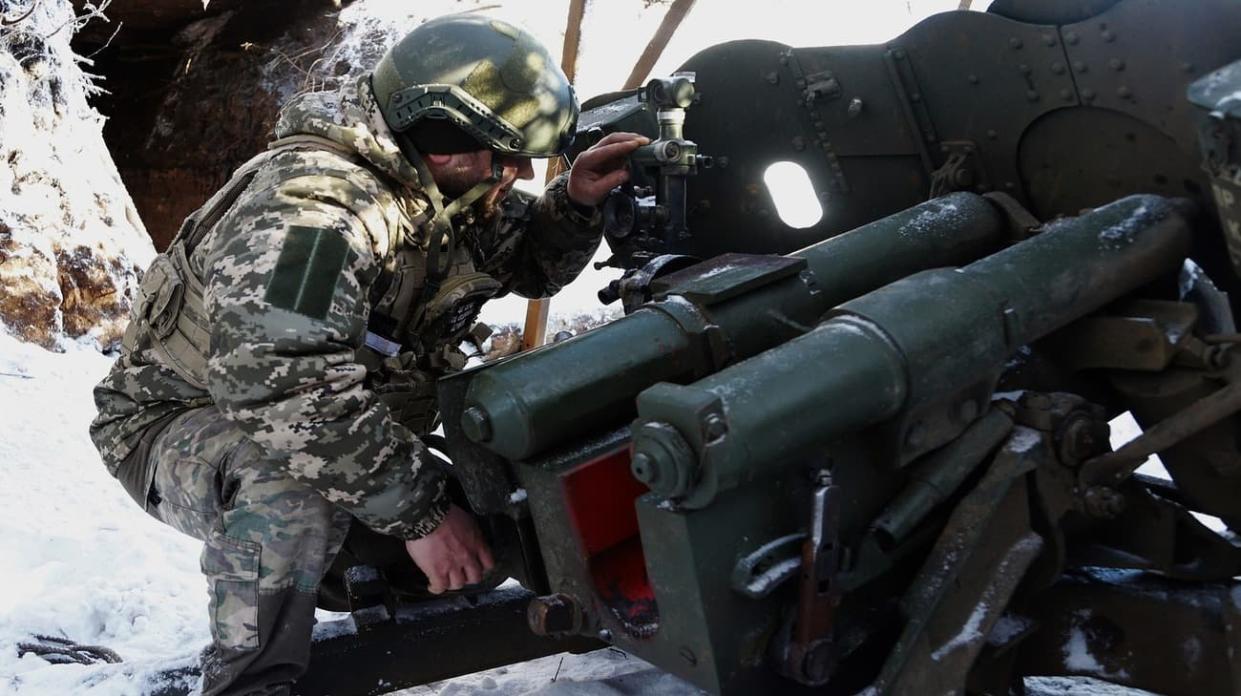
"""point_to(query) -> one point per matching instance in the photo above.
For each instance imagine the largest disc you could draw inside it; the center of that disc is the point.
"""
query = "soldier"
(280, 364)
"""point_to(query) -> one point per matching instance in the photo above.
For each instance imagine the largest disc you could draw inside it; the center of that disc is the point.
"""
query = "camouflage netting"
(71, 243)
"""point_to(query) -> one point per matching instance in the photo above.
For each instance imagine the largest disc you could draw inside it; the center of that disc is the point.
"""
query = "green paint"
(306, 273)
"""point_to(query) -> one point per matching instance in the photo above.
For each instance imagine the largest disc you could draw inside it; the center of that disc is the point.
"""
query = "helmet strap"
(441, 240)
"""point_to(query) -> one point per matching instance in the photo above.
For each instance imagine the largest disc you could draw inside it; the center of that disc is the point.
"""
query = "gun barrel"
(913, 342)
(535, 401)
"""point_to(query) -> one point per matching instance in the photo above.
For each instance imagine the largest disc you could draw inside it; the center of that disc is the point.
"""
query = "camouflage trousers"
(267, 542)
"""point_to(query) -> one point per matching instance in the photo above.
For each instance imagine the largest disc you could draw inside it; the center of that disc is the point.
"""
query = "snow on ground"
(1063, 686)
(81, 560)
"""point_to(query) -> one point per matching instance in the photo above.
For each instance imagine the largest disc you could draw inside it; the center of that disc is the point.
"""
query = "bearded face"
(458, 173)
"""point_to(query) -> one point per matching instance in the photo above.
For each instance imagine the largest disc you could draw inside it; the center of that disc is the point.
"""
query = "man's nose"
(521, 167)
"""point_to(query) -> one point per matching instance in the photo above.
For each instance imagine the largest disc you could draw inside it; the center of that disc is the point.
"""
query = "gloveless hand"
(602, 167)
(454, 554)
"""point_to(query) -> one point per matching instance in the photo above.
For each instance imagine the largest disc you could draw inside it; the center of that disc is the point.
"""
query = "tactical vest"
(417, 318)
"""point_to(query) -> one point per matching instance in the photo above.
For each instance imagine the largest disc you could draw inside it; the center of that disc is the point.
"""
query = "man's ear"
(437, 160)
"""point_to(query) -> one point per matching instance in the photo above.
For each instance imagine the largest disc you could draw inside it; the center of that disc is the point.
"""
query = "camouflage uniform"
(292, 425)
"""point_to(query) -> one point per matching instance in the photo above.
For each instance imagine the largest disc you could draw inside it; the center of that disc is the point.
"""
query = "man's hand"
(602, 167)
(454, 554)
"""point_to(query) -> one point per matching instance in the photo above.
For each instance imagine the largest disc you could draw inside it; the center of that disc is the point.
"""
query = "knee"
(299, 531)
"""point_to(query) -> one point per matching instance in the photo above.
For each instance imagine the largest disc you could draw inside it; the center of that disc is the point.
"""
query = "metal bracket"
(1021, 222)
(821, 84)
(961, 171)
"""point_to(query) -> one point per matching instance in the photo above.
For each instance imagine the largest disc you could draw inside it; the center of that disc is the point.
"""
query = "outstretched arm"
(542, 251)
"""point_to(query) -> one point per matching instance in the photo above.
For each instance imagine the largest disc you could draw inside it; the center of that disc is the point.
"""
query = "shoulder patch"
(304, 279)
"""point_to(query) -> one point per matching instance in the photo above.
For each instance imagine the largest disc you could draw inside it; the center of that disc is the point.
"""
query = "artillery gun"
(871, 453)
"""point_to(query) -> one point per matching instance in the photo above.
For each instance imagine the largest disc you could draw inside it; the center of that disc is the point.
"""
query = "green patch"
(307, 271)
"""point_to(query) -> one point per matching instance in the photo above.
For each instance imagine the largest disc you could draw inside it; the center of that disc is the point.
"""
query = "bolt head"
(644, 469)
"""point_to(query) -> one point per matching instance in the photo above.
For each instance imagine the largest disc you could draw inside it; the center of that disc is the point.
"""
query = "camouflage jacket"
(291, 274)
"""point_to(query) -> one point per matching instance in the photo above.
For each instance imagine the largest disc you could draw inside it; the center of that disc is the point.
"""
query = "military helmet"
(489, 78)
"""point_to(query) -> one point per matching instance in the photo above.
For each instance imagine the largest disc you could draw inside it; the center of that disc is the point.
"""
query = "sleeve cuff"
(581, 215)
(433, 517)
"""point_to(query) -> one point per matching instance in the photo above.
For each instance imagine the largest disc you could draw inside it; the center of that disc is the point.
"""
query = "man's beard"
(457, 182)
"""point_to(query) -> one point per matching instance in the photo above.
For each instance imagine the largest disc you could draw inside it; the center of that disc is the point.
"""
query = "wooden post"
(646, 62)
(537, 311)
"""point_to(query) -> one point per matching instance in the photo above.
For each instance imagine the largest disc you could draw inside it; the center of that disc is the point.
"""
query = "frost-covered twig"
(97, 51)
(6, 21)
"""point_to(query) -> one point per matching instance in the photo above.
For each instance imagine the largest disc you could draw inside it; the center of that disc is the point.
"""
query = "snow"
(1077, 655)
(970, 632)
(1067, 686)
(719, 270)
(1227, 101)
(781, 571)
(1122, 233)
(937, 215)
(1024, 440)
(1191, 274)
(81, 559)
(1008, 627)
